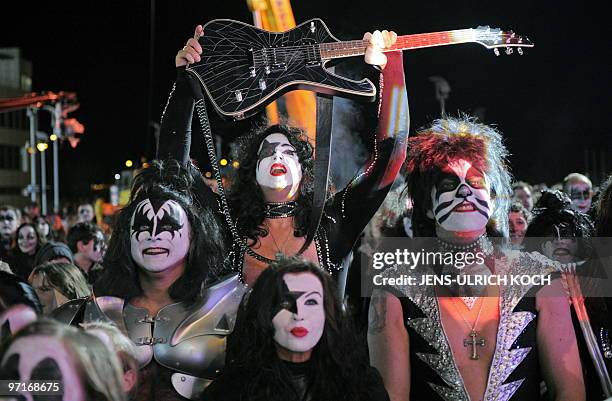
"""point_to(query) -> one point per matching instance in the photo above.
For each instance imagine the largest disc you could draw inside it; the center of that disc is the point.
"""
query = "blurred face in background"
(581, 195)
(518, 227)
(42, 226)
(27, 240)
(85, 213)
(8, 223)
(524, 196)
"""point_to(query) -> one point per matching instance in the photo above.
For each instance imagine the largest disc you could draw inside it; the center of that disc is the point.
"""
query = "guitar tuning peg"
(496, 51)
(520, 51)
(509, 51)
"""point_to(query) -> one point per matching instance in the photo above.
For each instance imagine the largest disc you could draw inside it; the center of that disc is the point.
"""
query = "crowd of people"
(199, 294)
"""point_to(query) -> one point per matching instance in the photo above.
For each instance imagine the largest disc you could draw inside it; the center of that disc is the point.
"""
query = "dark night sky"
(551, 104)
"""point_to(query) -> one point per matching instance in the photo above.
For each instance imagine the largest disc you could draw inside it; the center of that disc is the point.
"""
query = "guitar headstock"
(495, 38)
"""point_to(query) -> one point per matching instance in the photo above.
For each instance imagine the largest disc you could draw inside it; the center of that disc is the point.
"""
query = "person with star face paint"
(80, 362)
(438, 342)
(271, 197)
(165, 285)
(293, 342)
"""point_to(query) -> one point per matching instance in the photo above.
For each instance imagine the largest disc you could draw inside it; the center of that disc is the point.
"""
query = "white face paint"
(299, 325)
(461, 199)
(86, 213)
(581, 196)
(278, 165)
(50, 361)
(27, 239)
(160, 234)
(8, 223)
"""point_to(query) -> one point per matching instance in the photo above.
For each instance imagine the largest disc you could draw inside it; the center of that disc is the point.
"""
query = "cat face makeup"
(278, 165)
(51, 361)
(27, 239)
(581, 196)
(159, 235)
(299, 323)
(461, 199)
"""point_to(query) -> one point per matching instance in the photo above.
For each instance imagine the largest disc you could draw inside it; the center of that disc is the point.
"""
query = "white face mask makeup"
(85, 213)
(461, 200)
(278, 165)
(8, 223)
(160, 234)
(51, 361)
(299, 324)
(27, 240)
(43, 227)
(581, 196)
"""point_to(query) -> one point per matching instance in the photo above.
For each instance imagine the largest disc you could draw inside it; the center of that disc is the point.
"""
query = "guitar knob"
(262, 84)
(509, 51)
(238, 95)
(496, 51)
(520, 51)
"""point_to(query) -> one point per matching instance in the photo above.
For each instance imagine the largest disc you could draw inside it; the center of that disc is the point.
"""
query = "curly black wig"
(246, 198)
(553, 216)
(167, 181)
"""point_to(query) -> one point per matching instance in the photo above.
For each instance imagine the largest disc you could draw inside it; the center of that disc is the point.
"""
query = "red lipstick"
(299, 331)
(278, 169)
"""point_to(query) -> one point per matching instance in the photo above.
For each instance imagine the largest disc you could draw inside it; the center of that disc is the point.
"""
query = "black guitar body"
(244, 68)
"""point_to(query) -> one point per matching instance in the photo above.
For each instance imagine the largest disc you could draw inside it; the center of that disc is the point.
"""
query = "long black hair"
(166, 181)
(338, 362)
(246, 197)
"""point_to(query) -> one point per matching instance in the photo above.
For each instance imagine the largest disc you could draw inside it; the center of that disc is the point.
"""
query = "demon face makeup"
(561, 246)
(8, 223)
(27, 239)
(300, 320)
(160, 234)
(51, 361)
(278, 166)
(581, 195)
(461, 199)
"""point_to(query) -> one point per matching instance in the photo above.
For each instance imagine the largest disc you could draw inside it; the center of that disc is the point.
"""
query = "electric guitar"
(244, 68)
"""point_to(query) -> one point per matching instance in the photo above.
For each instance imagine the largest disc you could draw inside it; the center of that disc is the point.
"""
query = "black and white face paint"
(27, 239)
(300, 319)
(41, 357)
(581, 195)
(160, 234)
(8, 223)
(278, 165)
(461, 199)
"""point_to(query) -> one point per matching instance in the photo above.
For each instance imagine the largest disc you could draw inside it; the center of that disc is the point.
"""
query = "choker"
(280, 210)
(482, 244)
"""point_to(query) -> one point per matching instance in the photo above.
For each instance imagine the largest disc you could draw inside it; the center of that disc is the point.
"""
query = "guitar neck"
(406, 42)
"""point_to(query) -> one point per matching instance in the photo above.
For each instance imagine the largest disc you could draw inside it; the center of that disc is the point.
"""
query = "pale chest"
(269, 246)
(472, 352)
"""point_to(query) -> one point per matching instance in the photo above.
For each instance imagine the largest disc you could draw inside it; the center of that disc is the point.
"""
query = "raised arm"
(365, 193)
(388, 344)
(175, 132)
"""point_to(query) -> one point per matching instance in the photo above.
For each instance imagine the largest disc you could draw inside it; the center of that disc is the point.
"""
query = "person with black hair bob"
(292, 341)
(165, 285)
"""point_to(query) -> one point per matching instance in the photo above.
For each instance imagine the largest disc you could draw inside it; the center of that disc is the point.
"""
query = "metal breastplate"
(190, 341)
